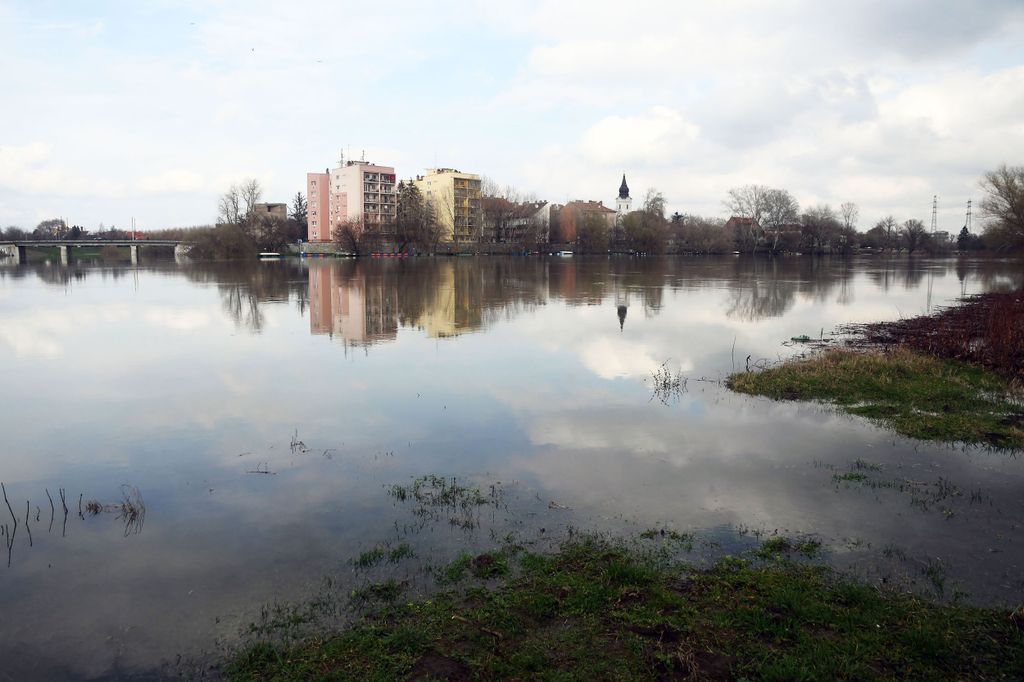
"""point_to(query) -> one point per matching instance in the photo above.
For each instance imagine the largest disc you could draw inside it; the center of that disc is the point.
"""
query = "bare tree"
(914, 234)
(251, 193)
(780, 208)
(747, 201)
(654, 203)
(1003, 206)
(767, 207)
(850, 213)
(819, 227)
(349, 235)
(887, 230)
(501, 206)
(229, 211)
(54, 228)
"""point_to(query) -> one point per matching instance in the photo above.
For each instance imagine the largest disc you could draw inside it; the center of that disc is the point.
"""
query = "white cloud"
(172, 181)
(895, 100)
(659, 136)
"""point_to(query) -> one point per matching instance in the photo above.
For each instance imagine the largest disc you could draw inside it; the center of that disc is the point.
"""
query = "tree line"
(770, 220)
(763, 220)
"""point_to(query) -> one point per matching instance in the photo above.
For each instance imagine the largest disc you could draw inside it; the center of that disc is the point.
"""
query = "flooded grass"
(985, 330)
(482, 567)
(599, 610)
(667, 386)
(671, 537)
(437, 498)
(779, 546)
(376, 555)
(916, 395)
(940, 495)
(130, 510)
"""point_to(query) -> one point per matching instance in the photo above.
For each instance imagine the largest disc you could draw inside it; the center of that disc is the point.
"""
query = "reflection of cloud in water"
(174, 394)
(610, 357)
(769, 465)
(43, 332)
(180, 319)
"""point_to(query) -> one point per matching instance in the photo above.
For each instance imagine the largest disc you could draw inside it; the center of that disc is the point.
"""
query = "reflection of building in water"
(355, 309)
(454, 306)
(365, 301)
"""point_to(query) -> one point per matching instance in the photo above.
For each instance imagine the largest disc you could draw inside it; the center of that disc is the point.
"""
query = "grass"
(986, 330)
(375, 555)
(598, 611)
(777, 546)
(917, 395)
(435, 497)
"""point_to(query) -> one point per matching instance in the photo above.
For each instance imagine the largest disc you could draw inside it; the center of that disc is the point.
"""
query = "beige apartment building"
(455, 198)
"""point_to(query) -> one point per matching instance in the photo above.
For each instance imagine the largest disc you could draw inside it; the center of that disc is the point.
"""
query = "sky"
(114, 110)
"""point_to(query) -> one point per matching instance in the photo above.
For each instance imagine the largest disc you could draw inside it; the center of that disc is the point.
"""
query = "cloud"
(32, 168)
(557, 98)
(172, 182)
(659, 136)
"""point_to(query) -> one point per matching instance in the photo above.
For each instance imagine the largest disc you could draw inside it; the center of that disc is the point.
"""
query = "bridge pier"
(65, 254)
(133, 249)
(14, 251)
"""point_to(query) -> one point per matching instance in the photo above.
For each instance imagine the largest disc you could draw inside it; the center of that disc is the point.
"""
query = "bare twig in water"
(9, 541)
(13, 517)
(80, 514)
(93, 507)
(64, 504)
(262, 468)
(298, 445)
(27, 529)
(51, 509)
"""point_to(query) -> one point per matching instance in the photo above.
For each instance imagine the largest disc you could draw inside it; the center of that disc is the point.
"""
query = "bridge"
(19, 249)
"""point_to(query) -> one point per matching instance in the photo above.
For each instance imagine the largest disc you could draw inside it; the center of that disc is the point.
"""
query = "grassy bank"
(599, 611)
(986, 330)
(915, 394)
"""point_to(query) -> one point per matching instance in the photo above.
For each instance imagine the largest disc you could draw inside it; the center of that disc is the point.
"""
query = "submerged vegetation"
(955, 376)
(916, 395)
(985, 330)
(435, 497)
(597, 610)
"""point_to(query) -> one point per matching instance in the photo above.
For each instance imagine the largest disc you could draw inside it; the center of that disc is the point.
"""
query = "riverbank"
(955, 376)
(599, 610)
(914, 394)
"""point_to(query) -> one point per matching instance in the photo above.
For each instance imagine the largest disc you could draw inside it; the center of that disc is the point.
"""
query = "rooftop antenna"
(935, 212)
(363, 156)
(341, 157)
(968, 223)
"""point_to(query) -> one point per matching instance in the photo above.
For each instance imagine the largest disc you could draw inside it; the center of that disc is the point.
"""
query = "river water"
(260, 413)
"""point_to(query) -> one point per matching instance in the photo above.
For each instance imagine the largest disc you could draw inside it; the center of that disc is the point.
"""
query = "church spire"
(623, 188)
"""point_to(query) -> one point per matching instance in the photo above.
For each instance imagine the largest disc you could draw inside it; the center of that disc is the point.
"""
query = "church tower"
(623, 203)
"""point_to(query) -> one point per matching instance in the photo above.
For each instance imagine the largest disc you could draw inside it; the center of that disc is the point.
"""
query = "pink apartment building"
(357, 191)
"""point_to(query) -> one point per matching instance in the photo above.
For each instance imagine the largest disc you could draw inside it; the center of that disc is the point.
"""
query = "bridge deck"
(91, 242)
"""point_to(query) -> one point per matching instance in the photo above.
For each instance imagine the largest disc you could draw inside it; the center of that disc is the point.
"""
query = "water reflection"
(362, 302)
(197, 382)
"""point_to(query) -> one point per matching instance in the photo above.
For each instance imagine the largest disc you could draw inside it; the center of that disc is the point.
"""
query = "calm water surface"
(195, 384)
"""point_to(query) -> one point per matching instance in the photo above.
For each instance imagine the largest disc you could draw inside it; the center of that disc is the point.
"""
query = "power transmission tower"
(968, 223)
(935, 213)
